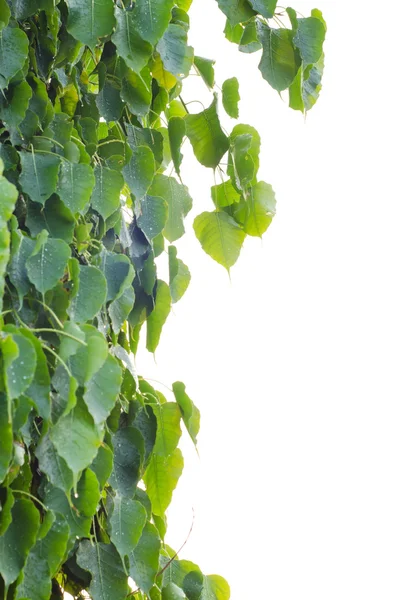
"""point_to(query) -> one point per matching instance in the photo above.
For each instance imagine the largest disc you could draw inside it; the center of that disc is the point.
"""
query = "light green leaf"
(158, 316)
(5, 14)
(88, 494)
(90, 20)
(105, 198)
(13, 108)
(224, 194)
(249, 42)
(108, 580)
(233, 33)
(127, 522)
(220, 236)
(241, 165)
(278, 64)
(6, 437)
(102, 390)
(19, 362)
(14, 51)
(151, 18)
(136, 91)
(265, 8)
(120, 308)
(102, 465)
(215, 588)
(48, 262)
(176, 132)
(139, 171)
(53, 465)
(179, 275)
(118, 272)
(306, 87)
(179, 204)
(90, 294)
(190, 413)
(87, 360)
(130, 46)
(176, 55)
(75, 185)
(206, 136)
(39, 175)
(161, 478)
(153, 216)
(231, 97)
(172, 592)
(169, 431)
(205, 67)
(144, 559)
(237, 11)
(309, 38)
(256, 213)
(129, 450)
(54, 217)
(17, 540)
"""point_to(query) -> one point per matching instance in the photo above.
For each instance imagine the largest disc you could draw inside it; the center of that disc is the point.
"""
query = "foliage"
(91, 128)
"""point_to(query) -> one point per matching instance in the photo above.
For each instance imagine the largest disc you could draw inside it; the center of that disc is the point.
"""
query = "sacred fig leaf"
(179, 275)
(87, 359)
(127, 522)
(75, 185)
(173, 592)
(18, 539)
(47, 264)
(265, 8)
(158, 316)
(144, 136)
(205, 66)
(39, 175)
(151, 17)
(224, 194)
(206, 136)
(136, 91)
(103, 562)
(220, 236)
(279, 64)
(14, 106)
(88, 494)
(256, 212)
(56, 500)
(14, 49)
(53, 465)
(89, 294)
(144, 559)
(129, 451)
(190, 412)
(231, 97)
(176, 55)
(215, 588)
(169, 431)
(306, 87)
(179, 203)
(249, 42)
(102, 464)
(139, 171)
(161, 478)
(19, 362)
(6, 437)
(309, 38)
(237, 11)
(5, 14)
(120, 308)
(55, 217)
(118, 272)
(90, 20)
(39, 388)
(105, 197)
(131, 47)
(102, 390)
(176, 133)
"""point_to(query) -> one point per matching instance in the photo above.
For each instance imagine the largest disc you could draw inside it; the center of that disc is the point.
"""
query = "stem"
(30, 496)
(69, 335)
(65, 366)
(50, 311)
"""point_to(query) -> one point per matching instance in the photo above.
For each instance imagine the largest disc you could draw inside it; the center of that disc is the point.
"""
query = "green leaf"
(179, 204)
(158, 316)
(120, 308)
(144, 559)
(54, 217)
(241, 166)
(90, 20)
(205, 67)
(176, 132)
(109, 101)
(102, 390)
(53, 465)
(161, 478)
(76, 438)
(56, 500)
(151, 18)
(224, 194)
(278, 64)
(88, 494)
(220, 236)
(127, 522)
(8, 195)
(231, 97)
(249, 42)
(176, 55)
(169, 431)
(215, 588)
(39, 388)
(265, 8)
(129, 451)
(153, 216)
(190, 413)
(306, 87)
(75, 185)
(136, 91)
(144, 136)
(139, 171)
(85, 361)
(179, 275)
(172, 592)
(108, 580)
(17, 540)
(130, 46)
(89, 294)
(17, 267)
(118, 272)
(14, 51)
(19, 362)
(5, 14)
(206, 136)
(6, 437)
(102, 465)
(48, 262)
(309, 38)
(256, 213)
(13, 108)
(39, 175)
(105, 198)
(233, 33)
(237, 11)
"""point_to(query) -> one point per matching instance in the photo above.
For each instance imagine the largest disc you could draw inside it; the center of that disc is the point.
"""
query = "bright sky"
(293, 364)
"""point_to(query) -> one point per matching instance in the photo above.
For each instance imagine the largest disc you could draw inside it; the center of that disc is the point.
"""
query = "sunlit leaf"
(161, 478)
(206, 136)
(220, 236)
(90, 20)
(231, 97)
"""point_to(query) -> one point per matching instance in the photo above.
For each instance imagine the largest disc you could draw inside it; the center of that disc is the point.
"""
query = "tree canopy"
(92, 124)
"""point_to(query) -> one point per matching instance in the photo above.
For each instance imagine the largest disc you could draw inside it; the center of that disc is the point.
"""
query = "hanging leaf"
(220, 236)
(224, 194)
(151, 17)
(153, 216)
(127, 522)
(75, 185)
(118, 272)
(309, 39)
(108, 580)
(56, 500)
(161, 478)
(176, 55)
(249, 42)
(256, 213)
(169, 431)
(47, 264)
(105, 197)
(139, 171)
(6, 437)
(14, 106)
(102, 390)
(39, 388)
(176, 132)
(206, 136)
(179, 275)
(14, 49)
(129, 451)
(120, 308)
(190, 413)
(173, 592)
(205, 67)
(179, 204)
(158, 316)
(90, 20)
(19, 362)
(39, 175)
(231, 97)
(136, 91)
(88, 494)
(144, 559)
(53, 465)
(237, 11)
(265, 8)
(131, 47)
(278, 64)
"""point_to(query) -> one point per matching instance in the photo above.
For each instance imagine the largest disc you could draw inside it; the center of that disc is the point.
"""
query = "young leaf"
(158, 316)
(278, 64)
(90, 20)
(220, 236)
(161, 478)
(256, 213)
(39, 175)
(231, 97)
(108, 580)
(144, 559)
(190, 412)
(206, 136)
(224, 194)
(179, 275)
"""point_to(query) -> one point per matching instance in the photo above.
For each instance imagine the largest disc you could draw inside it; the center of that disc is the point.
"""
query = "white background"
(293, 363)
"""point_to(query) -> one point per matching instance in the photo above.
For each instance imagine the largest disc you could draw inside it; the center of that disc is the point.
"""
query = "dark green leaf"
(176, 55)
(129, 451)
(151, 17)
(136, 91)
(205, 67)
(39, 389)
(309, 38)
(179, 204)
(231, 97)
(278, 64)
(75, 185)
(87, 498)
(206, 136)
(144, 559)
(118, 272)
(105, 198)
(90, 20)
(173, 592)
(6, 437)
(130, 46)
(153, 216)
(39, 175)
(144, 136)
(265, 8)
(87, 360)
(108, 580)
(179, 275)
(13, 108)
(48, 262)
(109, 101)
(161, 478)
(53, 465)
(54, 217)
(102, 465)
(158, 316)
(140, 170)
(190, 413)
(127, 522)
(5, 14)
(14, 49)
(102, 390)
(120, 308)
(17, 266)
(56, 500)
(220, 236)
(249, 40)
(176, 132)
(19, 363)
(237, 11)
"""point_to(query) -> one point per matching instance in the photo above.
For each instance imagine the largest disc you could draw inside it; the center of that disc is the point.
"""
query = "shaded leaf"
(144, 559)
(19, 362)
(128, 447)
(75, 185)
(54, 217)
(102, 465)
(14, 49)
(39, 175)
(102, 390)
(53, 465)
(127, 522)
(309, 38)
(6, 437)
(118, 272)
(108, 580)
(120, 308)
(158, 316)
(87, 497)
(56, 500)
(136, 91)
(90, 20)
(14, 106)
(176, 132)
(220, 236)
(206, 136)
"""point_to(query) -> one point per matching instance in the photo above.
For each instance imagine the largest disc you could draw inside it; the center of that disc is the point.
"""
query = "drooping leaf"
(205, 67)
(90, 294)
(176, 132)
(13, 108)
(265, 8)
(5, 14)
(90, 20)
(120, 308)
(102, 465)
(309, 38)
(176, 55)
(88, 494)
(306, 87)
(6, 437)
(127, 522)
(139, 171)
(131, 47)
(237, 11)
(151, 17)
(102, 390)
(169, 431)
(85, 361)
(39, 388)
(224, 194)
(53, 465)
(279, 64)
(105, 197)
(136, 91)
(231, 97)
(190, 412)
(215, 588)
(173, 592)
(75, 185)
(118, 272)
(179, 204)
(158, 316)
(249, 42)
(256, 213)
(56, 500)
(39, 175)
(19, 362)
(220, 236)
(179, 275)
(144, 136)
(108, 580)
(14, 49)
(206, 136)
(153, 216)
(144, 559)
(129, 451)
(55, 217)
(47, 264)
(161, 478)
